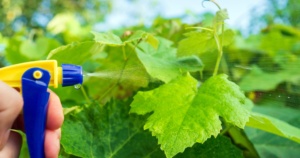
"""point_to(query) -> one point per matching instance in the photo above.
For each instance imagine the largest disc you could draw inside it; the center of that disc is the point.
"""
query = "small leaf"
(136, 36)
(199, 42)
(143, 35)
(152, 41)
(113, 40)
(68, 110)
(183, 115)
(107, 39)
(163, 64)
(75, 53)
(220, 16)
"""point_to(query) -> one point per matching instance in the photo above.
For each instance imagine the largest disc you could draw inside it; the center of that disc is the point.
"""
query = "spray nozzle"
(71, 75)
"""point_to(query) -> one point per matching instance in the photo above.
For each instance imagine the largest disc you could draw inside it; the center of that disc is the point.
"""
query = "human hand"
(11, 104)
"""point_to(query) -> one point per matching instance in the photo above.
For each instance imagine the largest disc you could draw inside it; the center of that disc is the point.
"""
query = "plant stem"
(219, 43)
(202, 28)
(215, 3)
(224, 66)
(85, 95)
(219, 56)
(228, 126)
(201, 74)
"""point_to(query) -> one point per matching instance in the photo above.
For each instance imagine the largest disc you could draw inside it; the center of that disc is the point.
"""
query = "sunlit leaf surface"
(181, 119)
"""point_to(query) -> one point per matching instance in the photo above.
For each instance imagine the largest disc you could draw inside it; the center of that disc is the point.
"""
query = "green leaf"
(136, 36)
(75, 53)
(63, 154)
(220, 16)
(143, 35)
(213, 147)
(68, 110)
(183, 115)
(271, 145)
(163, 64)
(258, 80)
(199, 42)
(275, 41)
(113, 40)
(252, 43)
(248, 104)
(62, 22)
(12, 52)
(208, 19)
(107, 39)
(68, 26)
(35, 49)
(107, 132)
(240, 138)
(287, 29)
(152, 41)
(107, 75)
(275, 126)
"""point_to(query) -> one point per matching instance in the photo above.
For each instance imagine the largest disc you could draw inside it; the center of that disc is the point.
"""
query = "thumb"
(11, 103)
(12, 147)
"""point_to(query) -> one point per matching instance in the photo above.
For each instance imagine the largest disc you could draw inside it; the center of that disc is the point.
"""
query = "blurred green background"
(263, 59)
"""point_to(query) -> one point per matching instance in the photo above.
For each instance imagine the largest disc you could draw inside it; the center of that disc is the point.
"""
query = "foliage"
(166, 91)
(26, 12)
(65, 54)
(191, 115)
(255, 80)
(165, 56)
(107, 131)
(268, 144)
(200, 42)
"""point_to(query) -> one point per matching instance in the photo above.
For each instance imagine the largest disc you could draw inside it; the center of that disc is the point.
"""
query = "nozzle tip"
(72, 75)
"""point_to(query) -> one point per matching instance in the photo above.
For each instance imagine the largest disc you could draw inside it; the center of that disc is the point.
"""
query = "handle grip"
(35, 83)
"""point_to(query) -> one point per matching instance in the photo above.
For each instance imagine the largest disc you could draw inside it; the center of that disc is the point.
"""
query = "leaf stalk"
(219, 42)
(85, 95)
